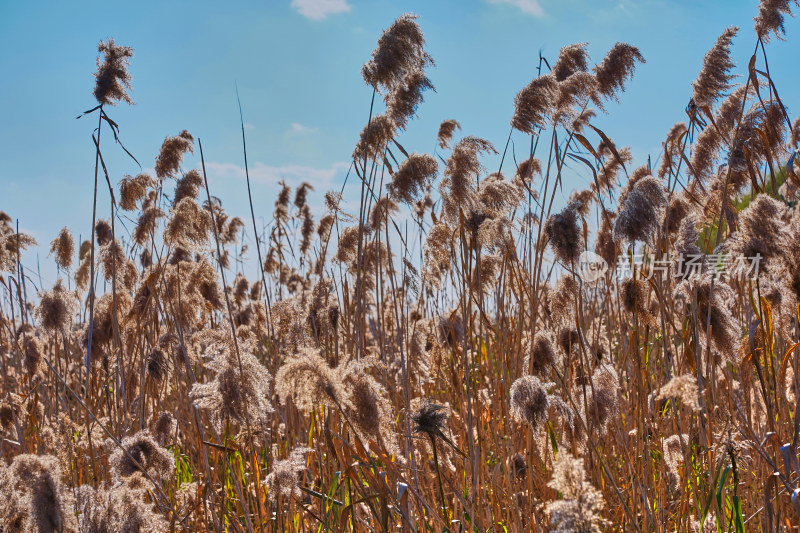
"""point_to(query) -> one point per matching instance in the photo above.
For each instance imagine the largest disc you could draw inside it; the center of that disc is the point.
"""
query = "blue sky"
(297, 66)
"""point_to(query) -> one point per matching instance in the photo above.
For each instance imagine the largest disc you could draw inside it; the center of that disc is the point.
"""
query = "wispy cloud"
(531, 7)
(249, 126)
(298, 129)
(319, 9)
(320, 178)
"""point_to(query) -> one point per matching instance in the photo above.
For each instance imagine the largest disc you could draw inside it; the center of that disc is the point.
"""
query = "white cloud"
(320, 178)
(298, 129)
(531, 7)
(248, 126)
(319, 9)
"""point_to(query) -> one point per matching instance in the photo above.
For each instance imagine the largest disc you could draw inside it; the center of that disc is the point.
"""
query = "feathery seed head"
(534, 103)
(564, 235)
(446, 130)
(571, 59)
(171, 154)
(770, 17)
(400, 50)
(112, 79)
(63, 247)
(714, 79)
(616, 68)
(528, 401)
(412, 178)
(430, 418)
(157, 461)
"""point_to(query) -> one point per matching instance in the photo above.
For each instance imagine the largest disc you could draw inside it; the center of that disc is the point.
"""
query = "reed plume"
(400, 50)
(714, 78)
(616, 68)
(770, 18)
(563, 234)
(285, 475)
(63, 247)
(534, 103)
(413, 177)
(172, 152)
(446, 130)
(529, 401)
(582, 506)
(112, 79)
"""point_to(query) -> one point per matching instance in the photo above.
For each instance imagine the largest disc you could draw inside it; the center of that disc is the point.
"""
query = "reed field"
(461, 351)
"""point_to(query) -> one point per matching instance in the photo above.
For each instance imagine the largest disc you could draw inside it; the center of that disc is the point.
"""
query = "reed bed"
(462, 353)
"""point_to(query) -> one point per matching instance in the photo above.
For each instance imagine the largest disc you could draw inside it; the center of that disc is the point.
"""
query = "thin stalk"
(91, 257)
(253, 217)
(233, 327)
(438, 475)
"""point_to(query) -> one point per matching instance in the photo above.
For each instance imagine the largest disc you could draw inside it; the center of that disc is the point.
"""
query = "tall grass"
(441, 359)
